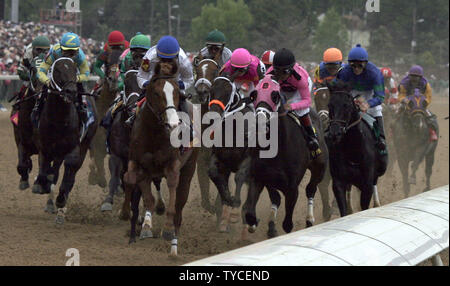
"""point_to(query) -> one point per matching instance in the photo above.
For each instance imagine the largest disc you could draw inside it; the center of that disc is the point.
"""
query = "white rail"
(16, 77)
(406, 232)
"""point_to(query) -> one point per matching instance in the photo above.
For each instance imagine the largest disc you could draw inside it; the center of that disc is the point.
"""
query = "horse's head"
(132, 90)
(267, 99)
(418, 124)
(321, 100)
(342, 109)
(63, 76)
(112, 68)
(206, 70)
(163, 95)
(223, 95)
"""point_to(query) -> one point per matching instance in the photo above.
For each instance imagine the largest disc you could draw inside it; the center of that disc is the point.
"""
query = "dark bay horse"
(206, 71)
(152, 155)
(412, 142)
(97, 150)
(23, 128)
(58, 134)
(119, 141)
(284, 170)
(232, 107)
(354, 158)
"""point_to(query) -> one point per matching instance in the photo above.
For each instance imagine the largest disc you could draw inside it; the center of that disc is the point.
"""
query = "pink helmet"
(241, 58)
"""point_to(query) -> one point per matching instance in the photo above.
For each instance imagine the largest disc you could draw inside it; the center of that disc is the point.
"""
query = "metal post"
(436, 260)
(169, 16)
(413, 41)
(15, 11)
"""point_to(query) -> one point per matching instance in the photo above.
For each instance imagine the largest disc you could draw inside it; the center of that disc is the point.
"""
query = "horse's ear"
(275, 96)
(253, 95)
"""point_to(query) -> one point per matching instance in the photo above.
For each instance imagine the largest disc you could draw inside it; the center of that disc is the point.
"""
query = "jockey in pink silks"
(295, 91)
(249, 68)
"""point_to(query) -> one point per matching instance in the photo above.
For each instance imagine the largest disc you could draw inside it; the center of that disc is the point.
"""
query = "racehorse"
(119, 143)
(227, 102)
(206, 70)
(411, 140)
(152, 155)
(23, 128)
(354, 158)
(59, 134)
(284, 170)
(97, 152)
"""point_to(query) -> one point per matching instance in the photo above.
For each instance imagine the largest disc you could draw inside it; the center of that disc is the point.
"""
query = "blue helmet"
(70, 41)
(167, 47)
(358, 54)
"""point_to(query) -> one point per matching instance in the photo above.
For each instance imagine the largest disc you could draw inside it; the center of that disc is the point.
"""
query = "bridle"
(345, 126)
(204, 80)
(235, 98)
(159, 115)
(55, 87)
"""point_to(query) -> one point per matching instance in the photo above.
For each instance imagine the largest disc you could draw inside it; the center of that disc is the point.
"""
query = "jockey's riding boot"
(311, 136)
(433, 125)
(38, 107)
(381, 144)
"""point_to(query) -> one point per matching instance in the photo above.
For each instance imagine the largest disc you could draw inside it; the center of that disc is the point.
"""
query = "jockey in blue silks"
(367, 81)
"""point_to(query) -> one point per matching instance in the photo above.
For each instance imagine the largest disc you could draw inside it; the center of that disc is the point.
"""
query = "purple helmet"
(416, 70)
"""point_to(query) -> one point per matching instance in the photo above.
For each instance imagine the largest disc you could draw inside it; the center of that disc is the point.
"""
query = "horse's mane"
(339, 86)
(165, 69)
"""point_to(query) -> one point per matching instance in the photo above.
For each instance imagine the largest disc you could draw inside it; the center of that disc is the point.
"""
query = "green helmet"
(140, 41)
(215, 37)
(41, 42)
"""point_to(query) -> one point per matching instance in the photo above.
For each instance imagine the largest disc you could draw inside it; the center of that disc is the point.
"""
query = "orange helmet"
(332, 55)
(387, 73)
(267, 57)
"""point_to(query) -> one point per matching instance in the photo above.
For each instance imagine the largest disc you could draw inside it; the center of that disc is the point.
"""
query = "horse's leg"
(186, 174)
(376, 197)
(339, 190)
(136, 197)
(249, 220)
(149, 205)
(289, 203)
(129, 183)
(172, 176)
(72, 163)
(317, 169)
(366, 194)
(23, 167)
(203, 179)
(429, 161)
(348, 199)
(240, 178)
(219, 174)
(324, 195)
(115, 167)
(160, 206)
(275, 199)
(403, 164)
(98, 154)
(50, 206)
(42, 183)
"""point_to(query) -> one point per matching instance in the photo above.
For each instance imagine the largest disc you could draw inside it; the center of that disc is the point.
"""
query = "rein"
(343, 122)
(233, 102)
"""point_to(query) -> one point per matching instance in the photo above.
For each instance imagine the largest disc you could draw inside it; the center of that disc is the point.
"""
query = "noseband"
(343, 123)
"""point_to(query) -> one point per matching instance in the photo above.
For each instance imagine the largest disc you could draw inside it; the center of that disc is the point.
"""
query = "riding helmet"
(140, 41)
(167, 47)
(116, 38)
(215, 37)
(358, 53)
(416, 70)
(41, 42)
(70, 41)
(332, 55)
(283, 59)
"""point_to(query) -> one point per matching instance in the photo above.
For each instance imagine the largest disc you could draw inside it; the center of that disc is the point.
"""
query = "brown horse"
(23, 129)
(206, 71)
(97, 151)
(152, 155)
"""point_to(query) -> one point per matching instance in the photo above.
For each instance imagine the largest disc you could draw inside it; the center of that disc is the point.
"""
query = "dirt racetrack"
(28, 235)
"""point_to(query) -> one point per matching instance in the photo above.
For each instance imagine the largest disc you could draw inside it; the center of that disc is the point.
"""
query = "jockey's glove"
(181, 84)
(145, 84)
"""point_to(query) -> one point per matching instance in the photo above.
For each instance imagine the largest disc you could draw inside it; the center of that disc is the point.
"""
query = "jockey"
(116, 40)
(167, 50)
(39, 47)
(267, 58)
(416, 80)
(69, 47)
(366, 80)
(139, 46)
(328, 68)
(215, 43)
(390, 88)
(295, 92)
(250, 70)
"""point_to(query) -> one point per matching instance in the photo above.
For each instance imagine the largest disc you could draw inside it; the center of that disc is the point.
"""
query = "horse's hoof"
(106, 207)
(146, 232)
(59, 220)
(224, 228)
(168, 235)
(272, 232)
(50, 207)
(37, 189)
(160, 208)
(23, 185)
(309, 223)
(412, 180)
(252, 228)
(132, 240)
